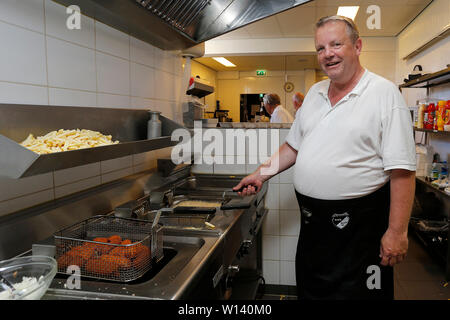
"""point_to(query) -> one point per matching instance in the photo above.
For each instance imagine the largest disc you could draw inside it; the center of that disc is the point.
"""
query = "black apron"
(339, 246)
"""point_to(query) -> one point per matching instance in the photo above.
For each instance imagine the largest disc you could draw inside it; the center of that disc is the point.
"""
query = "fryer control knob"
(247, 243)
(245, 247)
(233, 269)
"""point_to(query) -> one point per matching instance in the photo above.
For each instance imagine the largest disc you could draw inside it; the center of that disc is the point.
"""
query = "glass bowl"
(30, 275)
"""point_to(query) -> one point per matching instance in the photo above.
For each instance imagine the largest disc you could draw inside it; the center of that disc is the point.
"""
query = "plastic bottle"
(425, 116)
(444, 170)
(429, 121)
(439, 121)
(435, 171)
(447, 116)
(154, 125)
(420, 116)
(439, 117)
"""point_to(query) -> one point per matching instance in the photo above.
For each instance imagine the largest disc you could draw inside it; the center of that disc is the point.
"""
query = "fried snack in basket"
(102, 248)
(95, 267)
(106, 265)
(116, 261)
(115, 239)
(142, 258)
(127, 241)
(76, 256)
(118, 251)
(132, 251)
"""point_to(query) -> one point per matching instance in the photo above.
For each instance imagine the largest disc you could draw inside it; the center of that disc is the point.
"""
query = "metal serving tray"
(129, 126)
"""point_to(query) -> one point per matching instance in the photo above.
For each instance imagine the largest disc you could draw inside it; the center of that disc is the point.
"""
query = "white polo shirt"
(346, 151)
(281, 115)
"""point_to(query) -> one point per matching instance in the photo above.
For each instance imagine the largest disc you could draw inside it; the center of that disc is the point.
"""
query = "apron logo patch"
(306, 212)
(340, 220)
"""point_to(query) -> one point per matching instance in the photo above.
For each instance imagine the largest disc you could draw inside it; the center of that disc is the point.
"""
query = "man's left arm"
(394, 243)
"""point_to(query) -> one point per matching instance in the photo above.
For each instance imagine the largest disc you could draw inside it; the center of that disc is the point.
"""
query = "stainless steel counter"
(196, 261)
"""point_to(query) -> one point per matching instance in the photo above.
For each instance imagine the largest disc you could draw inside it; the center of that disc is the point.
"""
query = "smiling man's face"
(337, 55)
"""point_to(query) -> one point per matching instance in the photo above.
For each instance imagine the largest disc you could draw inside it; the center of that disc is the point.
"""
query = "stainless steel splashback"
(179, 24)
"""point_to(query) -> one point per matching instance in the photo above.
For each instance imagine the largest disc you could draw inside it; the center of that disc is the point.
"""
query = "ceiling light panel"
(224, 61)
(348, 11)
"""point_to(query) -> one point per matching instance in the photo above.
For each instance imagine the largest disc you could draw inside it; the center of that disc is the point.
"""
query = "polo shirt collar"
(357, 90)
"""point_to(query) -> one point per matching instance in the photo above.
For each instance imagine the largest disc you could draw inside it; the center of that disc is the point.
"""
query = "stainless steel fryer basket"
(75, 245)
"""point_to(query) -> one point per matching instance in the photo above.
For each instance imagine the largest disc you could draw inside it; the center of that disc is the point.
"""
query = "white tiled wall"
(281, 227)
(97, 66)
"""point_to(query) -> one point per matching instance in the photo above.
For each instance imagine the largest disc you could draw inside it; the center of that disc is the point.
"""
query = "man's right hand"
(281, 160)
(250, 184)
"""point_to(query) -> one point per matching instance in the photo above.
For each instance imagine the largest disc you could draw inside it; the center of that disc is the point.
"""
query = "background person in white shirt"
(278, 114)
(297, 100)
(353, 150)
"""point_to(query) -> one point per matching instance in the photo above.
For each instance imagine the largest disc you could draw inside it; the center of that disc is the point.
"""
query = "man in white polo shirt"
(278, 114)
(354, 175)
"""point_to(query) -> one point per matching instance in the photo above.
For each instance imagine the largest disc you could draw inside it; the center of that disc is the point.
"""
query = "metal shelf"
(199, 89)
(433, 131)
(129, 126)
(429, 80)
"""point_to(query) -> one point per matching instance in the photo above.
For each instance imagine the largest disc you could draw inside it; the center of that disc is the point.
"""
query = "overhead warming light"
(224, 61)
(348, 11)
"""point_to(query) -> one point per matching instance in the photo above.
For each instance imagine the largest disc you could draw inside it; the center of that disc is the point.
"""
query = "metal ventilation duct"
(179, 24)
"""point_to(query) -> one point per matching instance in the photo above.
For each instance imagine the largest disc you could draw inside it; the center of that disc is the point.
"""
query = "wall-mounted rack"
(129, 126)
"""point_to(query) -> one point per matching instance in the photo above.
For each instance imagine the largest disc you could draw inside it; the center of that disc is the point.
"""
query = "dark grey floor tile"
(426, 290)
(417, 271)
(399, 291)
(416, 253)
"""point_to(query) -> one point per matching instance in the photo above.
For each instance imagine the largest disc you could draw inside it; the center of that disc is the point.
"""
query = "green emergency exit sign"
(260, 72)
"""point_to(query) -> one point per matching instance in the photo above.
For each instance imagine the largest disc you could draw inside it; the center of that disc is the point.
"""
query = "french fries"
(65, 140)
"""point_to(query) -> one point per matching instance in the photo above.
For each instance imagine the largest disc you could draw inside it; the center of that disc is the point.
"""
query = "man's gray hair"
(352, 30)
(272, 99)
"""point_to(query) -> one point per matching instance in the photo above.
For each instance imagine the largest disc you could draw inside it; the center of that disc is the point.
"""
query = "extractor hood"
(179, 24)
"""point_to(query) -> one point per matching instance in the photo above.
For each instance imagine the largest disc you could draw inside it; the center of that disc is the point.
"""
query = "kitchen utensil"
(156, 220)
(231, 192)
(5, 284)
(237, 203)
(29, 275)
(193, 219)
(133, 208)
(188, 210)
(156, 197)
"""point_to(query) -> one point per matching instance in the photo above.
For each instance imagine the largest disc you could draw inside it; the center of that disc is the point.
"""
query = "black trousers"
(339, 246)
